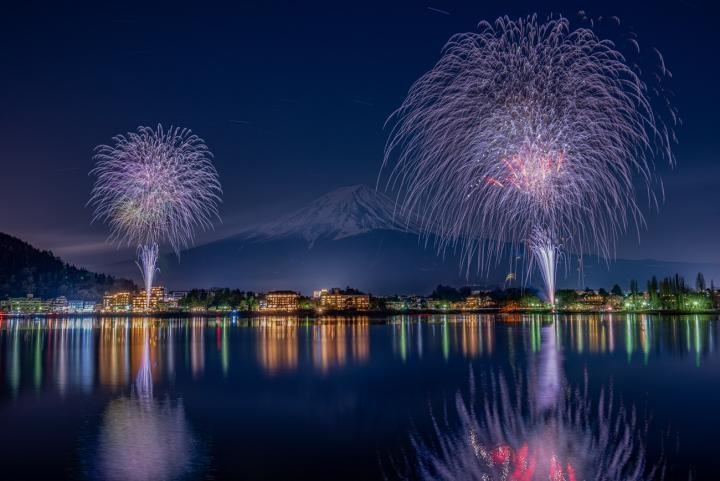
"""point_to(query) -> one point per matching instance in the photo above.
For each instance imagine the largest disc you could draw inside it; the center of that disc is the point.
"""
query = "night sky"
(292, 98)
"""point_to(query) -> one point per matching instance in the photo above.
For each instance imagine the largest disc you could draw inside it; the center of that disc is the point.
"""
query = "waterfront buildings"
(80, 307)
(135, 301)
(329, 301)
(34, 305)
(24, 305)
(173, 298)
(479, 300)
(157, 299)
(119, 302)
(339, 300)
(280, 301)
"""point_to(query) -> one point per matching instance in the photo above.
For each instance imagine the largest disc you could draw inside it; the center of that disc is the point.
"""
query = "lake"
(435, 397)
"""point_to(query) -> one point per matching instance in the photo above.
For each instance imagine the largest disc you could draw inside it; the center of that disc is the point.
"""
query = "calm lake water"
(289, 398)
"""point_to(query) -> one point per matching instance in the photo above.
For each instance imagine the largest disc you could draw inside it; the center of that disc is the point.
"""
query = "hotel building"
(337, 300)
(280, 301)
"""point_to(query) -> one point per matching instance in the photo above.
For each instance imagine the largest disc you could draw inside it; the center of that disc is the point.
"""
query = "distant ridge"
(27, 270)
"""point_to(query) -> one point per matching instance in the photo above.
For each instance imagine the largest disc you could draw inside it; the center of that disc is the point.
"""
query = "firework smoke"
(155, 187)
(528, 133)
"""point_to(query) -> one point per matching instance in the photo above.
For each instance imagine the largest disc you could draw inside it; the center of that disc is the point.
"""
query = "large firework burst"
(155, 186)
(528, 133)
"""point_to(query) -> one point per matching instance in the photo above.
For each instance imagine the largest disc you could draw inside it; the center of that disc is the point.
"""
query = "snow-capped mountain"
(357, 238)
(344, 212)
(350, 236)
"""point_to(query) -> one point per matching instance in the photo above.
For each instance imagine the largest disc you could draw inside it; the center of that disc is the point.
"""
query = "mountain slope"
(380, 261)
(27, 270)
(356, 239)
(344, 212)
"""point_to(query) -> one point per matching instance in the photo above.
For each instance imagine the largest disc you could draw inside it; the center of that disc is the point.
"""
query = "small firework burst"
(155, 186)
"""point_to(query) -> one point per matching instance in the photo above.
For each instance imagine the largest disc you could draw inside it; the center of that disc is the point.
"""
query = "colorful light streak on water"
(353, 385)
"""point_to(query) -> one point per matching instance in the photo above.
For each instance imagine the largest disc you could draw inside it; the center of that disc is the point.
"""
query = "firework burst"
(155, 186)
(528, 133)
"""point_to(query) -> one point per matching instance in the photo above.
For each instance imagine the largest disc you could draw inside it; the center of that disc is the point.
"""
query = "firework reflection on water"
(533, 426)
(142, 438)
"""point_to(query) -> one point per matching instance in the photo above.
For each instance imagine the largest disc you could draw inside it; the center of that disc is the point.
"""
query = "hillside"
(25, 269)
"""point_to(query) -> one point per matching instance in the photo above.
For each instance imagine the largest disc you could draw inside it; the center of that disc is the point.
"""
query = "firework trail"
(155, 186)
(528, 133)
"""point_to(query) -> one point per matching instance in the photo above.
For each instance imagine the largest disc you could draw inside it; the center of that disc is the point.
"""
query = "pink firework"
(528, 131)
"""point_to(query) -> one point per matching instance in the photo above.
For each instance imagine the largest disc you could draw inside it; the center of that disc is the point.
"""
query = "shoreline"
(312, 314)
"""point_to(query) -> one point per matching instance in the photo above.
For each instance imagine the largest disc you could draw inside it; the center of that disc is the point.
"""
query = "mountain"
(353, 237)
(345, 212)
(27, 270)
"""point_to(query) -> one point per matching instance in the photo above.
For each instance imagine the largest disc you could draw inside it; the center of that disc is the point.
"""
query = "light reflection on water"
(83, 353)
(141, 437)
(532, 426)
(146, 370)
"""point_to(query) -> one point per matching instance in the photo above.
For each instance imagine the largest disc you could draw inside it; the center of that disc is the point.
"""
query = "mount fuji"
(345, 212)
(353, 236)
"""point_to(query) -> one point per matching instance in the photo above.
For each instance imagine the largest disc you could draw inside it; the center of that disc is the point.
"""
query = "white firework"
(155, 186)
(527, 133)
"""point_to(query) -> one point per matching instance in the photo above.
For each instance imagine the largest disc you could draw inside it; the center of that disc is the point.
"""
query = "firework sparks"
(528, 129)
(155, 186)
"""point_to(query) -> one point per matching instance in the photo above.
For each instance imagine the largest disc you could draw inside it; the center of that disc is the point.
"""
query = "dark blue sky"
(291, 97)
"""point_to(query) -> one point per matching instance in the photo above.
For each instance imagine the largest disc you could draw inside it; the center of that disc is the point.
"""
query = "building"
(280, 301)
(173, 298)
(479, 300)
(76, 307)
(59, 305)
(24, 305)
(135, 301)
(157, 299)
(318, 294)
(119, 302)
(403, 303)
(337, 300)
(81, 307)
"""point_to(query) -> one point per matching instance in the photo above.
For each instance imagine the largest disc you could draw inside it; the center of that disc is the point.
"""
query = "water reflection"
(327, 343)
(527, 427)
(142, 438)
(197, 347)
(260, 385)
(549, 378)
(277, 344)
(469, 335)
(80, 354)
(335, 342)
(114, 353)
